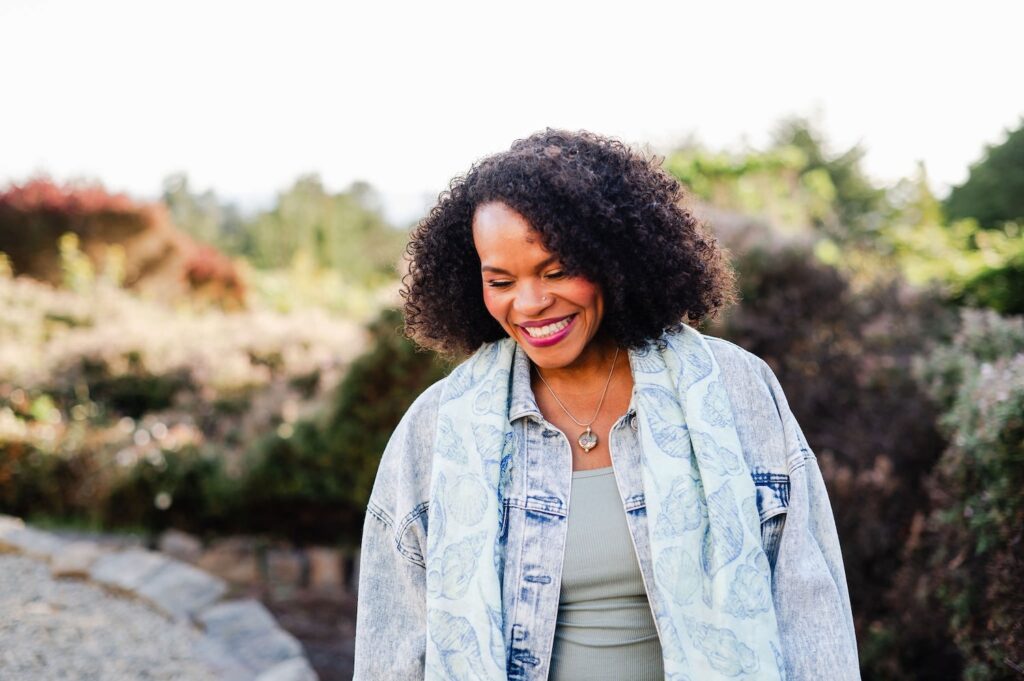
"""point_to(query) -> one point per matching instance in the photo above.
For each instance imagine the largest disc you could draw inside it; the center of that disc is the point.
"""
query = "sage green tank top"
(605, 629)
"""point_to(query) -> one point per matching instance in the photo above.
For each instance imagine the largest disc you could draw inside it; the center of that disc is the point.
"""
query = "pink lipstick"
(553, 338)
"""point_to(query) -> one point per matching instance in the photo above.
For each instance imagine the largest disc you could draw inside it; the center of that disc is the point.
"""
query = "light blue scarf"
(716, 619)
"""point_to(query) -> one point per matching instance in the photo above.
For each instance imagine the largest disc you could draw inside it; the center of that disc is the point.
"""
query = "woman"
(599, 491)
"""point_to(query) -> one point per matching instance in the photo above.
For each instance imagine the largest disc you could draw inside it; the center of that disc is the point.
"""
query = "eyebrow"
(541, 265)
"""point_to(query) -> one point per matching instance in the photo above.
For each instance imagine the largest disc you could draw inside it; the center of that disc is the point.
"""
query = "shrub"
(97, 385)
(188, 489)
(971, 557)
(322, 472)
(44, 227)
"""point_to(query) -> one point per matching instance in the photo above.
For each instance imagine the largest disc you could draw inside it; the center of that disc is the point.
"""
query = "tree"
(344, 231)
(857, 202)
(994, 190)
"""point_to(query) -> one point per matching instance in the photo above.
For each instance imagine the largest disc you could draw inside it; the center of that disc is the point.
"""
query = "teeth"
(550, 329)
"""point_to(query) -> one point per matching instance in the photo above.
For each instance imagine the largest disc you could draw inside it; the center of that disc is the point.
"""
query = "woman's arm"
(391, 618)
(391, 623)
(809, 583)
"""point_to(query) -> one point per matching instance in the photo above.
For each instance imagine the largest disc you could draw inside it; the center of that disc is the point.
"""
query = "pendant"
(587, 439)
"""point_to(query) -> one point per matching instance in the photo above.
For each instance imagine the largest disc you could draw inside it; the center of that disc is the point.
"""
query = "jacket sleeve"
(809, 583)
(391, 611)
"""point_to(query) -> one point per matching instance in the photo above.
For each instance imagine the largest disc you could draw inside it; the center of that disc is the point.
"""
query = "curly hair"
(609, 213)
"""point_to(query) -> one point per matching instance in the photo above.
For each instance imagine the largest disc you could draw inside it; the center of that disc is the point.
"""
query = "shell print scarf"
(714, 609)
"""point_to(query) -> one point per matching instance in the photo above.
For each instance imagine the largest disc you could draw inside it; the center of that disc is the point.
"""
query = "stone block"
(180, 545)
(126, 570)
(231, 559)
(232, 620)
(75, 559)
(9, 523)
(181, 590)
(326, 569)
(285, 572)
(224, 665)
(297, 669)
(247, 628)
(31, 542)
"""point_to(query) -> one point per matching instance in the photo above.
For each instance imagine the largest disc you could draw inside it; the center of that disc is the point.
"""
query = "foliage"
(302, 285)
(308, 227)
(202, 215)
(323, 471)
(800, 188)
(769, 184)
(855, 200)
(796, 184)
(68, 234)
(187, 488)
(994, 191)
(974, 266)
(106, 398)
(972, 553)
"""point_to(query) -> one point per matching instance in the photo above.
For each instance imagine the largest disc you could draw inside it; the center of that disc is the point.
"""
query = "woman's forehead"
(503, 238)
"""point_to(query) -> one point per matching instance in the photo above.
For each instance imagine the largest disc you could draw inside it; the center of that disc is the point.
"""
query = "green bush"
(313, 483)
(994, 191)
(188, 489)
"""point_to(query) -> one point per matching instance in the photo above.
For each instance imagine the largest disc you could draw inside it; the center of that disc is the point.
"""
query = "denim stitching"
(413, 556)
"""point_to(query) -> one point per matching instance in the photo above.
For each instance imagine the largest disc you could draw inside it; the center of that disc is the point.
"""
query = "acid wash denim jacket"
(798, 532)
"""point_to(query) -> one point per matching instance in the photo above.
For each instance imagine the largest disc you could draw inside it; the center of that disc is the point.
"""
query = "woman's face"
(551, 315)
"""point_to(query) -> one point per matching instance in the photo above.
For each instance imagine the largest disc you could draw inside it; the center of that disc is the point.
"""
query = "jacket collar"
(522, 401)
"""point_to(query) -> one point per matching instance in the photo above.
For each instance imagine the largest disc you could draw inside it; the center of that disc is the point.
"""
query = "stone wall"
(278, 570)
(241, 640)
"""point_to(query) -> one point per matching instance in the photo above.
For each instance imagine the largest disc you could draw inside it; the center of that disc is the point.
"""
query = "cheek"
(586, 294)
(493, 303)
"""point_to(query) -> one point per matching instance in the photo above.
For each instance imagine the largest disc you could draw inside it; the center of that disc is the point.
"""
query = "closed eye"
(499, 283)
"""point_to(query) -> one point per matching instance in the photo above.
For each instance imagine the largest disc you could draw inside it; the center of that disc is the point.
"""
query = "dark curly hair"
(611, 215)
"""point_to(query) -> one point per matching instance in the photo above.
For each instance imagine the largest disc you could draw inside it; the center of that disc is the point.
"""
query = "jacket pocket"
(772, 505)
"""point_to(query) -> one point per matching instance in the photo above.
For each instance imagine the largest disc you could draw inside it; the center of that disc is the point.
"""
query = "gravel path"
(67, 630)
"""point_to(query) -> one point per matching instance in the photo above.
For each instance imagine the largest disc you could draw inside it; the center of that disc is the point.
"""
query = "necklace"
(588, 438)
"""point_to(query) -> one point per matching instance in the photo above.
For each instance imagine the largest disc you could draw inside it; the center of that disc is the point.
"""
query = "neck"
(590, 370)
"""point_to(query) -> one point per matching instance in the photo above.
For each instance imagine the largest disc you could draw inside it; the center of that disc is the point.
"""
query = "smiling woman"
(681, 531)
(526, 289)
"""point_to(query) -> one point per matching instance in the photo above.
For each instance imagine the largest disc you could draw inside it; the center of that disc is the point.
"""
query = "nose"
(532, 299)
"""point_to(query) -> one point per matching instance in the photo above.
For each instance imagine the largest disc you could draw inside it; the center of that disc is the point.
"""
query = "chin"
(550, 358)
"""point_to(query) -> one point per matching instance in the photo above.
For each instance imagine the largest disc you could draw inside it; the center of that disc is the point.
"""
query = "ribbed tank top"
(605, 629)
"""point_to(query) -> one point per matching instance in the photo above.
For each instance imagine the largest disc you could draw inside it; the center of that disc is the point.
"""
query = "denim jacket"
(797, 532)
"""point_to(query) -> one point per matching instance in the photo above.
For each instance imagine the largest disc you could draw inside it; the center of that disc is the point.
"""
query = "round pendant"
(587, 440)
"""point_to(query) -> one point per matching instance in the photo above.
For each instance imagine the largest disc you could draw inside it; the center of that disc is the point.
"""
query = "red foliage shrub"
(159, 258)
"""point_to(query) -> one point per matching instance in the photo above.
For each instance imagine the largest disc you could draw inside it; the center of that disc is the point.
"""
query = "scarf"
(714, 609)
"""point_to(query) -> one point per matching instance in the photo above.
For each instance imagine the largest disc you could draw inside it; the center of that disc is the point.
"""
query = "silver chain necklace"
(588, 438)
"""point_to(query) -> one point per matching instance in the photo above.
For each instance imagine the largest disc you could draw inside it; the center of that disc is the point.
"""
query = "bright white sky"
(245, 96)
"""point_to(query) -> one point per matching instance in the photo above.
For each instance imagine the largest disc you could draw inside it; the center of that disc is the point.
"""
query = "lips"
(550, 331)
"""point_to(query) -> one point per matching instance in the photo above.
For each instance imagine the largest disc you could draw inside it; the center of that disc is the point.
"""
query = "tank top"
(605, 629)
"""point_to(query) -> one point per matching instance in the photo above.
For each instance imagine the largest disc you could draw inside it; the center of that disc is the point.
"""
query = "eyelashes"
(505, 283)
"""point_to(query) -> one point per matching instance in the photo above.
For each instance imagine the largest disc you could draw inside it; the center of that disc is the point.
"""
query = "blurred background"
(203, 208)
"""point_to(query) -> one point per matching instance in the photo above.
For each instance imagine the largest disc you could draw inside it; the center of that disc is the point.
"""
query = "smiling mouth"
(541, 332)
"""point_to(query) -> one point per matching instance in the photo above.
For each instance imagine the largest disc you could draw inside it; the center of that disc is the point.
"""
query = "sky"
(246, 96)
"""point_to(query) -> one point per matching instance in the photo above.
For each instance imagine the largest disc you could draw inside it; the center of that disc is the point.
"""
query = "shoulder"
(403, 477)
(759, 405)
(733, 356)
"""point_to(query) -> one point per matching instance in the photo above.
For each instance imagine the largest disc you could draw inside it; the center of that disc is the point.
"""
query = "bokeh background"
(203, 208)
